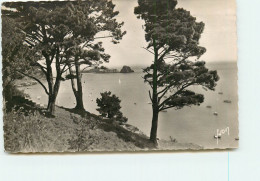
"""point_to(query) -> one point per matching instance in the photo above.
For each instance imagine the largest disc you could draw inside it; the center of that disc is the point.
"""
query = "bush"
(109, 106)
(22, 132)
(82, 137)
(12, 96)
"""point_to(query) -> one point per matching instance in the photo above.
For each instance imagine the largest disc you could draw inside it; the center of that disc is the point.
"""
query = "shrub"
(82, 137)
(22, 132)
(109, 106)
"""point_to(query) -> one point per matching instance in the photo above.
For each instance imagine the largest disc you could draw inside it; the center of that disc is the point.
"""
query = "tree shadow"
(111, 125)
(28, 106)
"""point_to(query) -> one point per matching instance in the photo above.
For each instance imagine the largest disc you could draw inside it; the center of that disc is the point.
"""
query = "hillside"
(28, 128)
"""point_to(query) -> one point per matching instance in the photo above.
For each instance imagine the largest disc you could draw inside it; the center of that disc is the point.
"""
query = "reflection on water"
(196, 124)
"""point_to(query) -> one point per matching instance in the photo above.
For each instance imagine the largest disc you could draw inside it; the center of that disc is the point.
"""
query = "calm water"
(195, 124)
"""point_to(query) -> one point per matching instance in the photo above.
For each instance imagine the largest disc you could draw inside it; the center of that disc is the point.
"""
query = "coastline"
(59, 134)
(201, 131)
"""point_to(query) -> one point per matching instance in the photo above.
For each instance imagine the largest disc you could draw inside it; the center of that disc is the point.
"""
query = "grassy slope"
(28, 129)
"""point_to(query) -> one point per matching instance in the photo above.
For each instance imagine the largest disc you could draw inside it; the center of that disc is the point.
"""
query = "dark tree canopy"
(174, 81)
(91, 53)
(175, 32)
(62, 32)
(14, 53)
(109, 106)
(173, 36)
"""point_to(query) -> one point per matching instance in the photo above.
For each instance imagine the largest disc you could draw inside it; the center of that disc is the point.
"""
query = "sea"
(195, 124)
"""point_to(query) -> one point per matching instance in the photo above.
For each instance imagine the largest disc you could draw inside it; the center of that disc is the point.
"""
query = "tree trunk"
(79, 101)
(51, 104)
(52, 98)
(153, 133)
(79, 95)
(53, 90)
(49, 78)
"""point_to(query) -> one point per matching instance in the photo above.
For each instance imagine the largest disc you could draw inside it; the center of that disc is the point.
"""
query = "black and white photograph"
(119, 76)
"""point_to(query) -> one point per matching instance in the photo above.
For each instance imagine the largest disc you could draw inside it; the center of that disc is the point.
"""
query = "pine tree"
(173, 38)
(58, 31)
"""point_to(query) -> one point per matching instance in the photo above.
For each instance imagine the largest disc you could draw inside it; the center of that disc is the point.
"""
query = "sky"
(219, 37)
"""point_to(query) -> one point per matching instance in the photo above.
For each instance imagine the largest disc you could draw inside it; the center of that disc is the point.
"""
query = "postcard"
(120, 75)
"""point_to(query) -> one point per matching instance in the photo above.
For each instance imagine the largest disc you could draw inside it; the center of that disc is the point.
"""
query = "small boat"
(215, 113)
(135, 103)
(208, 106)
(173, 139)
(220, 93)
(119, 81)
(149, 103)
(164, 111)
(236, 139)
(227, 101)
(217, 136)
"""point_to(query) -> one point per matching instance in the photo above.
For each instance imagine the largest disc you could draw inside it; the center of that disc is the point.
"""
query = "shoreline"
(139, 114)
(108, 135)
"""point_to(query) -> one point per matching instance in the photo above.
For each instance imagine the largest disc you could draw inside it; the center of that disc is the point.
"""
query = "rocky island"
(126, 69)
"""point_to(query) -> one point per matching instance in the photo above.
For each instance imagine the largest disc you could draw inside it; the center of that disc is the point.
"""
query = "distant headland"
(103, 69)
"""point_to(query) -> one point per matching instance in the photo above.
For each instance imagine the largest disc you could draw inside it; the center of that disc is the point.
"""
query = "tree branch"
(63, 69)
(85, 68)
(183, 87)
(27, 41)
(161, 57)
(34, 37)
(150, 96)
(147, 50)
(67, 68)
(42, 68)
(166, 108)
(103, 37)
(45, 89)
(72, 82)
(164, 91)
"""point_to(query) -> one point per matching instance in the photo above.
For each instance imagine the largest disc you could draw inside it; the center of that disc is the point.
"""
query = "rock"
(126, 69)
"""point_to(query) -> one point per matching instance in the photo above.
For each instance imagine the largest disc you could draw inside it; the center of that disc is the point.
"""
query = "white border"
(244, 163)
